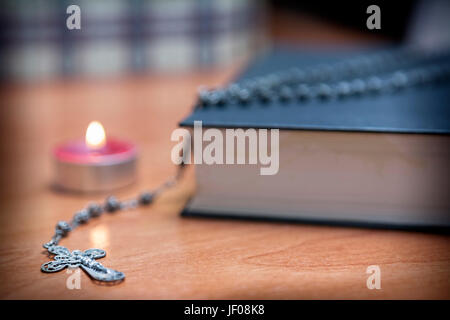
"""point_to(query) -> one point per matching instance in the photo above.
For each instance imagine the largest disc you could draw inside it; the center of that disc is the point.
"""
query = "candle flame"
(95, 135)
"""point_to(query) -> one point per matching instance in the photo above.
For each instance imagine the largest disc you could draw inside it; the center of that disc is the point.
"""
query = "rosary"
(87, 260)
(375, 73)
(378, 72)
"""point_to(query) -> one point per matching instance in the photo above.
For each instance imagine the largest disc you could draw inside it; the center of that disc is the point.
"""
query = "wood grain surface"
(162, 254)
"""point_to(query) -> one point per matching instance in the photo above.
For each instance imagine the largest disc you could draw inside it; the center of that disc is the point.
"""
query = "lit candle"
(95, 164)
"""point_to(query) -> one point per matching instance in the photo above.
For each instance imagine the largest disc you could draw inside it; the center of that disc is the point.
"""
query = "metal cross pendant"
(86, 260)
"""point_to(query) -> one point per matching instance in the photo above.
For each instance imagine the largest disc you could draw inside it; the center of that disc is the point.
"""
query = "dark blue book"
(363, 139)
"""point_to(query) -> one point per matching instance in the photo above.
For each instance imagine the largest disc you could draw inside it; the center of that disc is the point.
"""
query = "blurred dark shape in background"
(120, 37)
(395, 15)
(415, 22)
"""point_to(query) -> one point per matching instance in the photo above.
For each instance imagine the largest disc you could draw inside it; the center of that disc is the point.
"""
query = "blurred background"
(120, 37)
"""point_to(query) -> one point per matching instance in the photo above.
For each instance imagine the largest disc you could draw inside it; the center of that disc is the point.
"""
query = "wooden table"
(163, 255)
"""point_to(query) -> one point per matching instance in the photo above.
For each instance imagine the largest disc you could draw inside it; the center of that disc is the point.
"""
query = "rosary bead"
(146, 198)
(81, 216)
(217, 97)
(243, 96)
(343, 89)
(233, 90)
(112, 204)
(239, 93)
(324, 91)
(264, 94)
(399, 80)
(49, 244)
(94, 210)
(303, 92)
(286, 93)
(203, 97)
(129, 204)
(374, 84)
(358, 86)
(63, 228)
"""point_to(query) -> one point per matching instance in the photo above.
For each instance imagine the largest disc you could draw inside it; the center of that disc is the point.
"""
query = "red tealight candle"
(96, 164)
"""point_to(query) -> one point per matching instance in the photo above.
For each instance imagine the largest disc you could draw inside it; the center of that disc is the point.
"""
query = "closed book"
(378, 159)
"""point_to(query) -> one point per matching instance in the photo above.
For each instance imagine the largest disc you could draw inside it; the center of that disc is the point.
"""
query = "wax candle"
(96, 163)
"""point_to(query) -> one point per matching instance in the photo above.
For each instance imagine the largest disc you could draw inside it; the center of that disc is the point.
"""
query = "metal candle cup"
(83, 167)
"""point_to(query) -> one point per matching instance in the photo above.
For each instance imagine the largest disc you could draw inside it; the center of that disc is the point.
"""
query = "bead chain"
(352, 77)
(111, 205)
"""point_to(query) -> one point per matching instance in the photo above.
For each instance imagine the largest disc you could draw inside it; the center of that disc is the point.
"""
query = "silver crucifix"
(86, 260)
